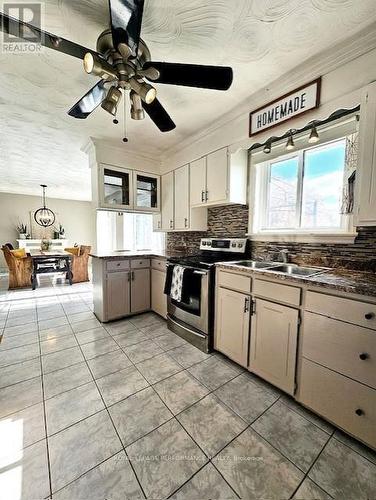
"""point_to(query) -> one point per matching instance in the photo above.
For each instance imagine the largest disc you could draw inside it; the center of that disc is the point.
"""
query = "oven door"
(193, 310)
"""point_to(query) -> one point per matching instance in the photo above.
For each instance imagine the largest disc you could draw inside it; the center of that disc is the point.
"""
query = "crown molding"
(319, 65)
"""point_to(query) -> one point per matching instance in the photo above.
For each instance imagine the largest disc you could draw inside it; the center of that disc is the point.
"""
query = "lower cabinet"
(158, 298)
(118, 299)
(274, 336)
(232, 324)
(343, 401)
(140, 290)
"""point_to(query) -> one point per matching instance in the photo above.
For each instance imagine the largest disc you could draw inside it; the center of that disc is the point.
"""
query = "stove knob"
(209, 243)
(204, 243)
(233, 244)
(240, 245)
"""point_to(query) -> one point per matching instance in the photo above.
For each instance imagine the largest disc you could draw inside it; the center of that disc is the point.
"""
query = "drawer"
(346, 403)
(275, 291)
(352, 311)
(234, 281)
(345, 348)
(139, 263)
(117, 265)
(159, 264)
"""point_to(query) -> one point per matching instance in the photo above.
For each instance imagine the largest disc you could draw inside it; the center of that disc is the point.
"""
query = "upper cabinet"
(146, 191)
(123, 189)
(181, 188)
(167, 201)
(198, 182)
(219, 178)
(176, 211)
(115, 186)
(366, 192)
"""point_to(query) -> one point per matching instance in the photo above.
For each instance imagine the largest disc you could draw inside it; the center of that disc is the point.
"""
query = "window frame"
(260, 179)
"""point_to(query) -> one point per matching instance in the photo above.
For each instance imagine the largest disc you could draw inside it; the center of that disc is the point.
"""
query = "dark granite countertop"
(166, 254)
(343, 280)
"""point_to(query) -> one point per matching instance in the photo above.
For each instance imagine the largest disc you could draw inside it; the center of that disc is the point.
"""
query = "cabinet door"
(146, 191)
(217, 176)
(140, 290)
(168, 201)
(115, 185)
(117, 294)
(157, 222)
(274, 335)
(197, 182)
(181, 183)
(232, 325)
(158, 298)
(366, 193)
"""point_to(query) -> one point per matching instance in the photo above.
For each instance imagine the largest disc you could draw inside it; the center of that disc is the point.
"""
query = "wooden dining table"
(44, 262)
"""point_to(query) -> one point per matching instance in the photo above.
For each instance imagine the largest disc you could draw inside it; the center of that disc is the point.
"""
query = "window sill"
(286, 237)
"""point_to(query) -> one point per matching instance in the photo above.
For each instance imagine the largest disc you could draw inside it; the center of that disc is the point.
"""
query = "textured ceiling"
(260, 39)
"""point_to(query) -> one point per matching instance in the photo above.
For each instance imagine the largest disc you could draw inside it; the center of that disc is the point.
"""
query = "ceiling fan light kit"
(123, 60)
(94, 65)
(111, 102)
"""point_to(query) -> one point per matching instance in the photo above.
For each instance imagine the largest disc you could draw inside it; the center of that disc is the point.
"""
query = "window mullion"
(299, 193)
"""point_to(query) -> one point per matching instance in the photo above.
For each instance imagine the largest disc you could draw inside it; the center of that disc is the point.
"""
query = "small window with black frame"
(147, 191)
(116, 187)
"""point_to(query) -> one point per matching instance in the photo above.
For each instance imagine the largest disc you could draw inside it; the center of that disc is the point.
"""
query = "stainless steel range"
(193, 317)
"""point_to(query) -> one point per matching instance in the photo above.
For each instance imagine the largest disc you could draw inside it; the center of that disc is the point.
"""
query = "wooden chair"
(80, 263)
(19, 269)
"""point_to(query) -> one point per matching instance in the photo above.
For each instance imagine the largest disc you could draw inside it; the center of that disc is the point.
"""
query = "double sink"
(278, 268)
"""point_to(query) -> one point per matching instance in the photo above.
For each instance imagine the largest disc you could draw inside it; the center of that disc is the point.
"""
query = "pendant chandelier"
(44, 216)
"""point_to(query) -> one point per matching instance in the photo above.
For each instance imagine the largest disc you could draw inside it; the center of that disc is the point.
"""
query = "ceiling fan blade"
(192, 75)
(89, 101)
(30, 33)
(126, 19)
(159, 115)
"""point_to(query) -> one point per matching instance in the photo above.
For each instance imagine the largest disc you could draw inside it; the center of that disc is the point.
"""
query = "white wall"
(344, 72)
(75, 216)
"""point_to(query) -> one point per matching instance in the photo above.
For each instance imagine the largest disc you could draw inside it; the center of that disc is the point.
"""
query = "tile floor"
(127, 410)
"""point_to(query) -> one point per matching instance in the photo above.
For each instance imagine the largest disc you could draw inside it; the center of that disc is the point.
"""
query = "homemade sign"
(284, 108)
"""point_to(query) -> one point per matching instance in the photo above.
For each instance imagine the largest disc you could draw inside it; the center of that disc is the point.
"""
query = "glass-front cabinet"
(125, 189)
(146, 191)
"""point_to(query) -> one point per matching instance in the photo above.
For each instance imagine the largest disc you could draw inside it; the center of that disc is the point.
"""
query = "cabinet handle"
(363, 356)
(132, 275)
(359, 412)
(202, 196)
(171, 224)
(129, 276)
(186, 222)
(206, 195)
(369, 315)
(246, 304)
(159, 224)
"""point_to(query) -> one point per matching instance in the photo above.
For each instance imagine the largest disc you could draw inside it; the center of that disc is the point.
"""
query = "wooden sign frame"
(284, 97)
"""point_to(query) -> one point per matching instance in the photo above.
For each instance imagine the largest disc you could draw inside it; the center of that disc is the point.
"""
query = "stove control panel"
(237, 245)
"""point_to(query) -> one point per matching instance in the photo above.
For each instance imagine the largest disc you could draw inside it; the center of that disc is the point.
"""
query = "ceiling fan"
(123, 62)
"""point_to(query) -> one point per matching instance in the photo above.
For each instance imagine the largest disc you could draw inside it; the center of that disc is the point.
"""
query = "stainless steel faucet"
(284, 254)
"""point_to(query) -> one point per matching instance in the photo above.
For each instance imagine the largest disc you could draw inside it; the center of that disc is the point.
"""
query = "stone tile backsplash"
(232, 221)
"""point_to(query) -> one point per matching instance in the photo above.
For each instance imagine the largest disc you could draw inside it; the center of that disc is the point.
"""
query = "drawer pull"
(359, 412)
(118, 264)
(369, 315)
(363, 356)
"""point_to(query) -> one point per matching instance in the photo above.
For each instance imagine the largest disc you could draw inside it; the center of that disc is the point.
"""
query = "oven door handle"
(203, 273)
(201, 335)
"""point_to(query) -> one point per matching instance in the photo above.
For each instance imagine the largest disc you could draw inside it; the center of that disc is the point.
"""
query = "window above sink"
(304, 195)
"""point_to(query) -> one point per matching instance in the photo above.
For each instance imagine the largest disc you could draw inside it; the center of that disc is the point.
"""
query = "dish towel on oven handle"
(177, 283)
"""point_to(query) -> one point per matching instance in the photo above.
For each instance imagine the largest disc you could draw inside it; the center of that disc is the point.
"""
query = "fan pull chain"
(125, 138)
